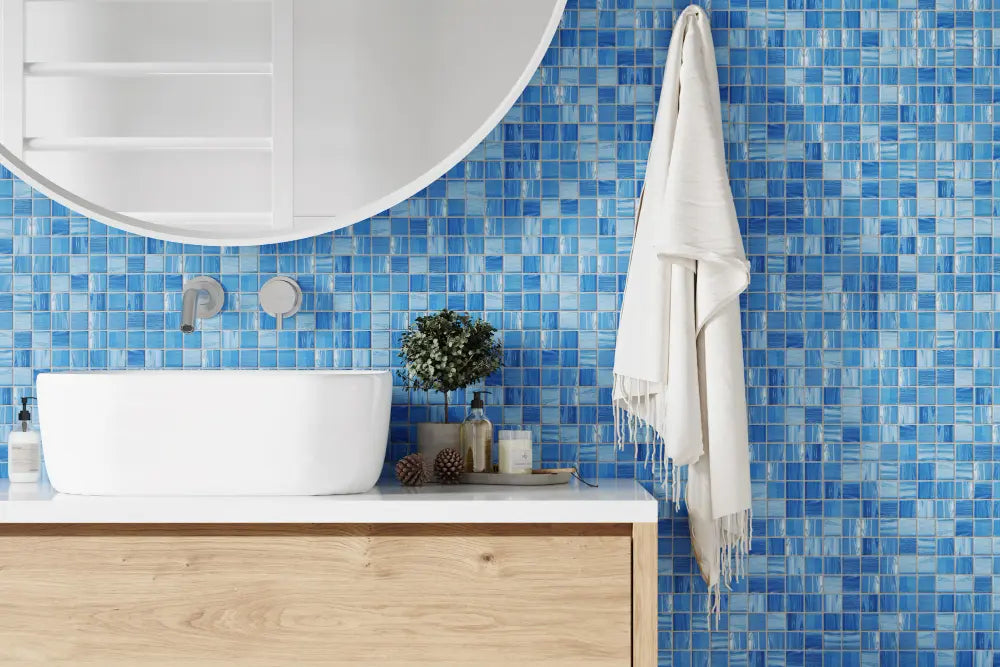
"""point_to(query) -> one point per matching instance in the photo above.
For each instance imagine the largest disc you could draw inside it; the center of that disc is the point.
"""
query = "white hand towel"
(679, 381)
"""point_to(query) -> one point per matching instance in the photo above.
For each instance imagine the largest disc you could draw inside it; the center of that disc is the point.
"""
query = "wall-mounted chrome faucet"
(203, 297)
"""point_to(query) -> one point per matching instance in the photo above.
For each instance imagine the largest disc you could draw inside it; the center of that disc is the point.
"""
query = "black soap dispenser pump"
(476, 437)
(24, 416)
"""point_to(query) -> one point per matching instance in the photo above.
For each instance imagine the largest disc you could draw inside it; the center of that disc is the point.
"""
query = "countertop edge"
(619, 501)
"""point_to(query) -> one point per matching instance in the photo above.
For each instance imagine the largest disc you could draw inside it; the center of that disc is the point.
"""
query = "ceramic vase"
(432, 437)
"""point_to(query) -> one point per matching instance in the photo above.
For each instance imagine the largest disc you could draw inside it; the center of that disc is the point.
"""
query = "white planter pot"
(432, 438)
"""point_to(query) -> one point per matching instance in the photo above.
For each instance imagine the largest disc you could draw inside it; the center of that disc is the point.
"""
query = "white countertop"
(615, 501)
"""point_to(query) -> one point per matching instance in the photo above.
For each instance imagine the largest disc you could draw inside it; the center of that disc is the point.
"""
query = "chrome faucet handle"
(203, 297)
(280, 297)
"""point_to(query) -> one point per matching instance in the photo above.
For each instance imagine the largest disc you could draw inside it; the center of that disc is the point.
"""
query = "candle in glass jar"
(515, 451)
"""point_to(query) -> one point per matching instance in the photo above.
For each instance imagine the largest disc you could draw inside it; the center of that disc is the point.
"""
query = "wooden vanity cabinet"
(340, 594)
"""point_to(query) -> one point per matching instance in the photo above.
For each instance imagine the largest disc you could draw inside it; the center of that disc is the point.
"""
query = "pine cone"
(448, 466)
(411, 471)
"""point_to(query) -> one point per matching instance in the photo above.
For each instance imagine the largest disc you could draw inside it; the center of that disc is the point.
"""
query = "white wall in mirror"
(239, 122)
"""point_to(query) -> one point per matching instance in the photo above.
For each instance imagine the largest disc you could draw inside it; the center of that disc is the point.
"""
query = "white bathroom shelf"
(39, 69)
(145, 143)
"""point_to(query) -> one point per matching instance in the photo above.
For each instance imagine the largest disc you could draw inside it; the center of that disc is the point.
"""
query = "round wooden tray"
(516, 479)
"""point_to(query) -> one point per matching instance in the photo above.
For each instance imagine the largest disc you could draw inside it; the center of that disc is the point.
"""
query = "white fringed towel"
(679, 382)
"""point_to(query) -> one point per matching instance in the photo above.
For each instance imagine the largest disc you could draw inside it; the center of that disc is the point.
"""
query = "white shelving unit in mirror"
(240, 122)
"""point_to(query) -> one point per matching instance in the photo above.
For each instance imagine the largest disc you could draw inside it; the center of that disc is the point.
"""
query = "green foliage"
(447, 351)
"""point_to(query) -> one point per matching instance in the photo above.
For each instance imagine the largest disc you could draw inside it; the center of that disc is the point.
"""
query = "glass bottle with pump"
(476, 437)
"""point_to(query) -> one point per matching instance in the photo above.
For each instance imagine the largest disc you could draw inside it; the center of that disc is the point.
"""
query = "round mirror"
(239, 122)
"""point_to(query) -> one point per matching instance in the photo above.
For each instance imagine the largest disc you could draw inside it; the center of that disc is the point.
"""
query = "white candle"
(515, 451)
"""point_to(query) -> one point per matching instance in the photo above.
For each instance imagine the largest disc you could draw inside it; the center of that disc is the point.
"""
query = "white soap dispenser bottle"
(24, 448)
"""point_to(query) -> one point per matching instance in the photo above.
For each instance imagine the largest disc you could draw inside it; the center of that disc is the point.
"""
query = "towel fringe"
(640, 432)
(734, 531)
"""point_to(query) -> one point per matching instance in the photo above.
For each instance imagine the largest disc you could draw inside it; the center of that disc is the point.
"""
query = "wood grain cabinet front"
(430, 594)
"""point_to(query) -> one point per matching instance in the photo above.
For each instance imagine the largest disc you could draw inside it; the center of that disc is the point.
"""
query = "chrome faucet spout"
(189, 309)
(203, 297)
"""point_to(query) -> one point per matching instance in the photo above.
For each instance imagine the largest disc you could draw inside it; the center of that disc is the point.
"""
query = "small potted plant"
(444, 352)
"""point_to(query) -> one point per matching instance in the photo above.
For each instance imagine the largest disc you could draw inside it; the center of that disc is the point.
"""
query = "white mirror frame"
(469, 64)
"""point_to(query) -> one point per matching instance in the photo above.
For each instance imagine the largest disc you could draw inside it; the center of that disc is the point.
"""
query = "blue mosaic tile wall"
(861, 139)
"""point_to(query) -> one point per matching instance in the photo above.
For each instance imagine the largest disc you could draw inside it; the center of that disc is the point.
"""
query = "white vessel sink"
(204, 432)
